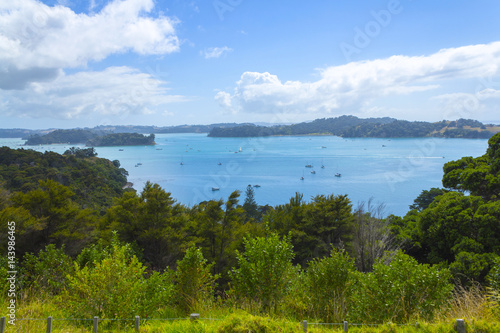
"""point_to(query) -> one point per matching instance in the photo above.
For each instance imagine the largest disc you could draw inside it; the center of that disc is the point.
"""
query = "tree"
(195, 282)
(250, 205)
(480, 176)
(152, 220)
(425, 198)
(261, 275)
(398, 291)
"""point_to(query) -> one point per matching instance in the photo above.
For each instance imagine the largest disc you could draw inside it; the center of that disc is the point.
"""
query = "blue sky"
(72, 63)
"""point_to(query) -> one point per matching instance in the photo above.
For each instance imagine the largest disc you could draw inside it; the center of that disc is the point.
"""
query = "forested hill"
(91, 138)
(122, 139)
(94, 181)
(350, 126)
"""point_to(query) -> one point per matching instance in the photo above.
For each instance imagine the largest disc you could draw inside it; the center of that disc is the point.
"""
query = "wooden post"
(137, 320)
(96, 322)
(195, 316)
(346, 326)
(304, 325)
(49, 324)
(461, 326)
(2, 324)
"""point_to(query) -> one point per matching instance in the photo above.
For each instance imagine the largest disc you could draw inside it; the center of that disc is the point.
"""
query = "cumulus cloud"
(215, 52)
(114, 91)
(354, 86)
(34, 36)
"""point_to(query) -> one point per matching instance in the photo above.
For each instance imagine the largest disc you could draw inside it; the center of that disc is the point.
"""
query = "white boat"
(215, 188)
(313, 172)
(338, 175)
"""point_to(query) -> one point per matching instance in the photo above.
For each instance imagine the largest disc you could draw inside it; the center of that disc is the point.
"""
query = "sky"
(85, 63)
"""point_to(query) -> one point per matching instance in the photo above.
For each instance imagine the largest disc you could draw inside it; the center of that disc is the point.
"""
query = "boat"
(323, 146)
(120, 149)
(139, 163)
(309, 166)
(313, 172)
(215, 188)
(182, 163)
(257, 185)
(219, 163)
(301, 178)
(322, 166)
(159, 148)
(338, 175)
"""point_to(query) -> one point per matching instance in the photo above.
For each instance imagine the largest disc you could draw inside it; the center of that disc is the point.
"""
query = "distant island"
(92, 138)
(344, 126)
(354, 127)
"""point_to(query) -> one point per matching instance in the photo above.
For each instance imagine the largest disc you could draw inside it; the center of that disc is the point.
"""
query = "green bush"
(116, 287)
(194, 281)
(47, 272)
(327, 286)
(262, 274)
(398, 292)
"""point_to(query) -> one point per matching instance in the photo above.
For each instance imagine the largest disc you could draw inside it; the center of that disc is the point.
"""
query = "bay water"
(195, 168)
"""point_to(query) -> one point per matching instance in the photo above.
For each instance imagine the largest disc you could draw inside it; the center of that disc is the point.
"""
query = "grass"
(471, 304)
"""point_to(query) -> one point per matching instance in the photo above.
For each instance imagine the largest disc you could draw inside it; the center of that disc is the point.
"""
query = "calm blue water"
(392, 172)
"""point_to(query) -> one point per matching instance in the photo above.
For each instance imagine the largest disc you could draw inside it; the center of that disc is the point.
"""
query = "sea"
(388, 173)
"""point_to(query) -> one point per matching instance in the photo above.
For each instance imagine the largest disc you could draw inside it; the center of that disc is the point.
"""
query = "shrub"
(116, 287)
(194, 281)
(263, 269)
(327, 285)
(46, 272)
(399, 291)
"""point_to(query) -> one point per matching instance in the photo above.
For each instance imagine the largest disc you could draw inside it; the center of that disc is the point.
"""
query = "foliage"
(82, 152)
(122, 139)
(480, 176)
(457, 224)
(116, 287)
(194, 282)
(262, 271)
(314, 226)
(94, 181)
(327, 284)
(399, 291)
(425, 198)
(47, 272)
(70, 136)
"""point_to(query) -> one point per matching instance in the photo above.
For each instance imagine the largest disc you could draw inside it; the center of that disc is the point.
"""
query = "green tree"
(262, 273)
(480, 176)
(399, 291)
(195, 283)
(116, 287)
(328, 285)
(250, 205)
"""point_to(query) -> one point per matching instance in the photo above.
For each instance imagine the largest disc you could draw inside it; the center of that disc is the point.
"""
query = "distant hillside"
(350, 126)
(122, 139)
(95, 181)
(71, 136)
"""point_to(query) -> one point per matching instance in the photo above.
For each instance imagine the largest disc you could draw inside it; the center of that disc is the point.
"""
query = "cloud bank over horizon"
(357, 87)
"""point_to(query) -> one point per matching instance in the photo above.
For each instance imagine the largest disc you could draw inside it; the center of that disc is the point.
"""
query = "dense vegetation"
(122, 139)
(72, 136)
(350, 126)
(321, 260)
(92, 138)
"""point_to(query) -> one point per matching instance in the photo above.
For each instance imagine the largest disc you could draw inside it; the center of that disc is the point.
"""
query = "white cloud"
(116, 91)
(215, 52)
(35, 36)
(354, 87)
